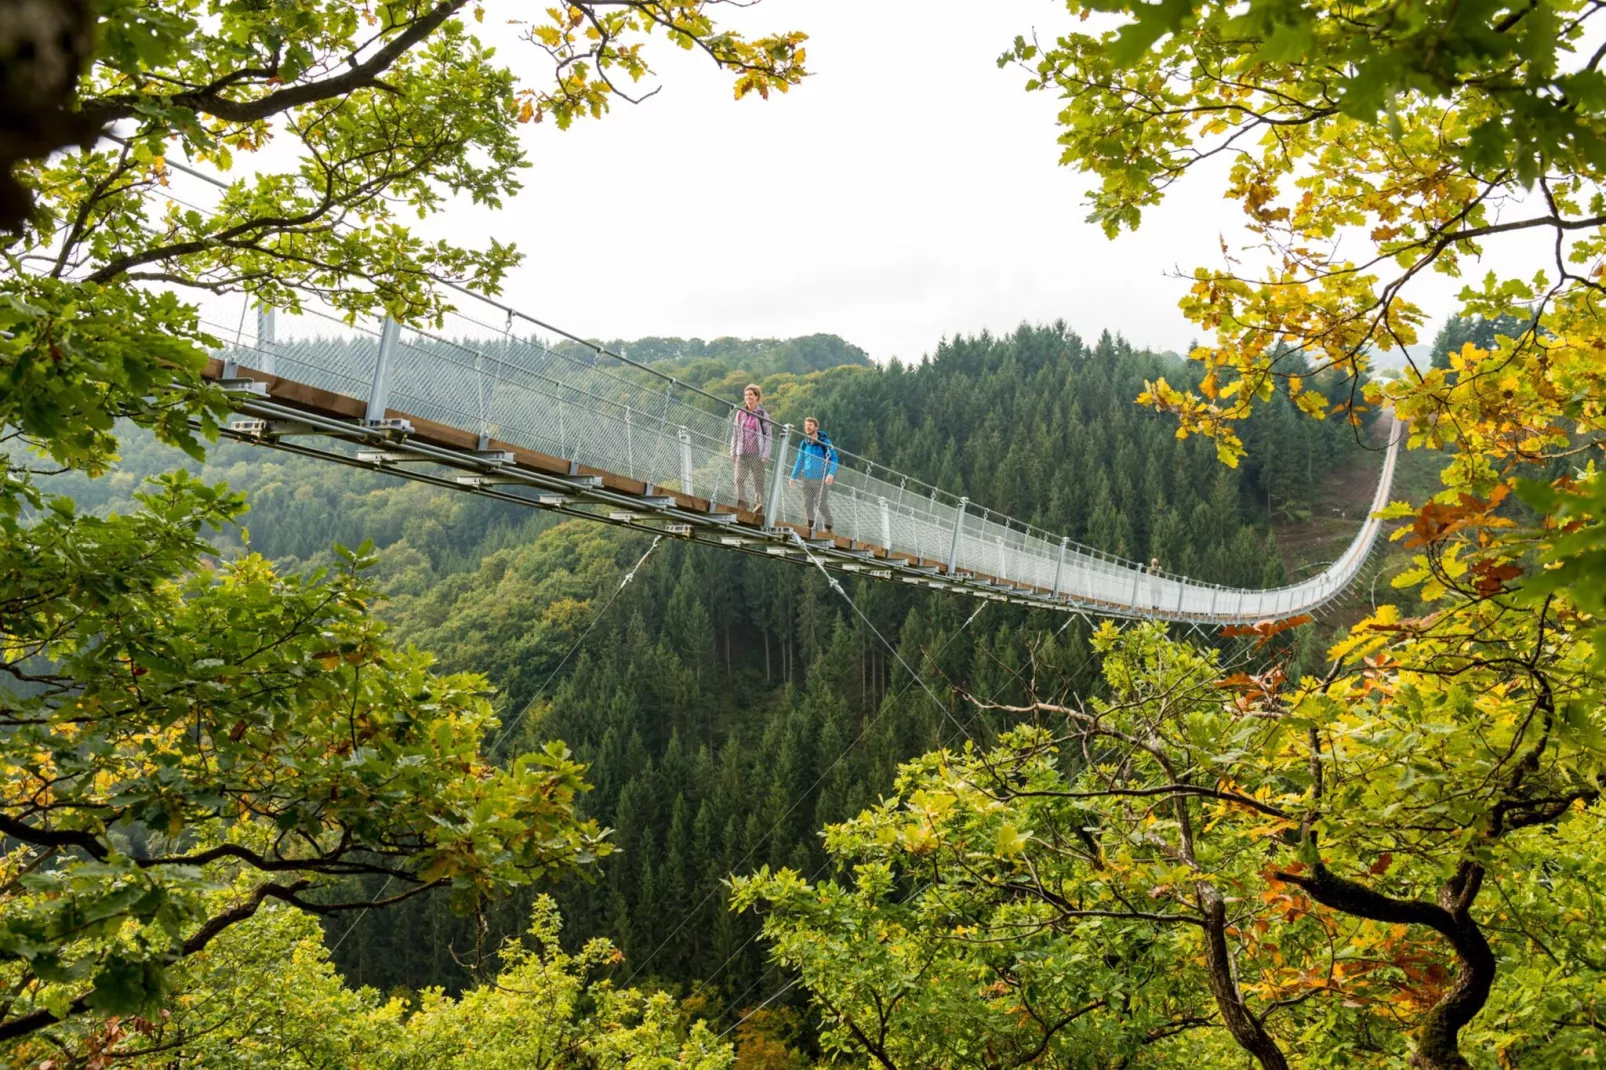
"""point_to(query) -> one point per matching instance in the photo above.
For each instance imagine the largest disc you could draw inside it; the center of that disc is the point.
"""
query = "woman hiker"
(750, 447)
(816, 467)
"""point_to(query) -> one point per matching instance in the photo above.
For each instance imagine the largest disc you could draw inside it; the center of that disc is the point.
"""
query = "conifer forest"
(309, 766)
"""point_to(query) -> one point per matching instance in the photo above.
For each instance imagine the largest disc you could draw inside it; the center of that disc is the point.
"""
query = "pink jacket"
(750, 433)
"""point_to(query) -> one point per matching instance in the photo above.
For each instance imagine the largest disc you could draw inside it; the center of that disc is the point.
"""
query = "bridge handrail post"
(480, 395)
(772, 509)
(684, 434)
(1059, 569)
(379, 390)
(953, 547)
(931, 515)
(267, 336)
(630, 445)
(886, 524)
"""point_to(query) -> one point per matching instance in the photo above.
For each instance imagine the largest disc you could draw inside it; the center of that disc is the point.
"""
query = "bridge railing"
(486, 369)
(497, 371)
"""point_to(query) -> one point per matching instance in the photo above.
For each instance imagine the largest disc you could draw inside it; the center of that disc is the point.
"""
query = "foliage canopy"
(1390, 813)
(186, 740)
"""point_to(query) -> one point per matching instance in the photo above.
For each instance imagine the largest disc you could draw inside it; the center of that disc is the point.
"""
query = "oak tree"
(1367, 145)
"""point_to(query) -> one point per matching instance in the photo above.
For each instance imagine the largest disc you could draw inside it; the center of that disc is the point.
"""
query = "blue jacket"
(815, 460)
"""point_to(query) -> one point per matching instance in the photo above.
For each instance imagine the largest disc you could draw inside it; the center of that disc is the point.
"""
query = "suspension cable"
(837, 587)
(515, 718)
(777, 994)
(870, 723)
(823, 866)
(915, 678)
(794, 982)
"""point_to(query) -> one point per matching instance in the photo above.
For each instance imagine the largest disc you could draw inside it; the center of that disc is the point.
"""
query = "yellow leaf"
(1010, 841)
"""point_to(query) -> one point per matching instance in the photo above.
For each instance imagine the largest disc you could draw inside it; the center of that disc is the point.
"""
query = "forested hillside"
(707, 364)
(728, 706)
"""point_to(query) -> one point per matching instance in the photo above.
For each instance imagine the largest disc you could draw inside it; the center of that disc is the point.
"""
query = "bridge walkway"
(583, 431)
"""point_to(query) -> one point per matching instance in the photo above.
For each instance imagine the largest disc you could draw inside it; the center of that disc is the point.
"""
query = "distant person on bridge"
(750, 447)
(816, 467)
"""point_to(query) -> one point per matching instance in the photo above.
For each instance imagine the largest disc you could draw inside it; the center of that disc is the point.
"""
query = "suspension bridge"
(484, 405)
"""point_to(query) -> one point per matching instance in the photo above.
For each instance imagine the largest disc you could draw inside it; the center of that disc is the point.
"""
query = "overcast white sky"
(908, 191)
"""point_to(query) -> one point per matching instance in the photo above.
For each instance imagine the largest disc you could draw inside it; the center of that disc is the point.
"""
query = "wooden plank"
(330, 404)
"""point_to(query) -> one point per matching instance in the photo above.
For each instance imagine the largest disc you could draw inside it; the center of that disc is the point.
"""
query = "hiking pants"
(750, 469)
(817, 503)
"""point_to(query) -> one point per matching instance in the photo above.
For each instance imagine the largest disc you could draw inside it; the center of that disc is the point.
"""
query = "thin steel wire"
(617, 591)
(515, 719)
(607, 416)
(869, 723)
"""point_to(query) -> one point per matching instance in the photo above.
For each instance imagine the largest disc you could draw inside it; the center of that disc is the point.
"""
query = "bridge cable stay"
(794, 982)
(777, 994)
(917, 890)
(870, 723)
(595, 620)
(836, 586)
(1087, 657)
(820, 869)
(514, 720)
(963, 731)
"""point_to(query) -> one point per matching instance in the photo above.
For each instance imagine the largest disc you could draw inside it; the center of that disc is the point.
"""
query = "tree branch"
(208, 102)
(83, 841)
(1437, 1040)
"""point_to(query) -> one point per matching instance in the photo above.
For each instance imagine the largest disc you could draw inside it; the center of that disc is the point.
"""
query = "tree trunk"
(1438, 1038)
(1245, 1028)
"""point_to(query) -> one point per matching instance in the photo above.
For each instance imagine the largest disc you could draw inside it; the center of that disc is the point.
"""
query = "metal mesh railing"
(579, 402)
(485, 370)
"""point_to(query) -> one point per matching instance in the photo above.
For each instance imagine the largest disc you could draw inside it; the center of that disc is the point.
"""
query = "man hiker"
(816, 467)
(750, 447)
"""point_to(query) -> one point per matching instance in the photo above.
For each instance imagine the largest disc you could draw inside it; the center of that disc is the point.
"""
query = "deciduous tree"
(1367, 145)
(186, 740)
